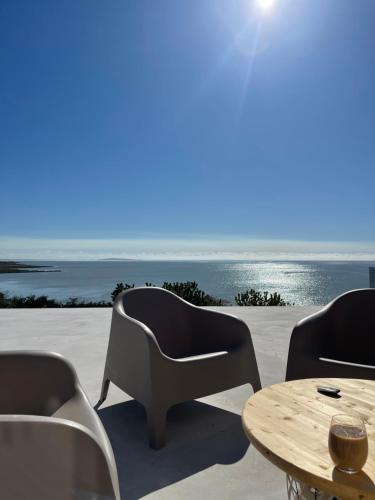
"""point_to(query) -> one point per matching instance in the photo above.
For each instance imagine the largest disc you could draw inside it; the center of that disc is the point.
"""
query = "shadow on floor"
(198, 436)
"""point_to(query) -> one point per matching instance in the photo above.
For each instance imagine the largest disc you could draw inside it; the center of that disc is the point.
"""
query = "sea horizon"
(302, 282)
(292, 257)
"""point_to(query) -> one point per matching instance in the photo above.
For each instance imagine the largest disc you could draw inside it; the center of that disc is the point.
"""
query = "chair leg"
(156, 426)
(104, 391)
(255, 383)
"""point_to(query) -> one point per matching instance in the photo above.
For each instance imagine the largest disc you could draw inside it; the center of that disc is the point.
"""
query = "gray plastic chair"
(338, 341)
(163, 350)
(52, 443)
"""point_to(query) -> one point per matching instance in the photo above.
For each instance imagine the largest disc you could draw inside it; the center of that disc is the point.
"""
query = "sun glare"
(266, 5)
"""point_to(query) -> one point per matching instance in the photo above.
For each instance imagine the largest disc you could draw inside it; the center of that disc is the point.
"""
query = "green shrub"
(4, 300)
(31, 301)
(74, 302)
(254, 298)
(188, 291)
(43, 301)
(120, 287)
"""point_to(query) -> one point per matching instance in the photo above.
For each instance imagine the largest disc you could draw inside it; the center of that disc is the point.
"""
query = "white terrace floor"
(207, 455)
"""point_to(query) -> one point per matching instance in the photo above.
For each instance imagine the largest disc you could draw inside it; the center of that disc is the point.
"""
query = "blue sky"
(187, 120)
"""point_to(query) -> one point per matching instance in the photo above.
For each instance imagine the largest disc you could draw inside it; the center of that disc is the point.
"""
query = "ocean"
(299, 282)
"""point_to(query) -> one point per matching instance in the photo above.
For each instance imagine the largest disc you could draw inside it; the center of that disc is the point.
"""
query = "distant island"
(10, 266)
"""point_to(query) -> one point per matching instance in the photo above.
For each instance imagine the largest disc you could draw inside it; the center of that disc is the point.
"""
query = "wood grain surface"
(289, 424)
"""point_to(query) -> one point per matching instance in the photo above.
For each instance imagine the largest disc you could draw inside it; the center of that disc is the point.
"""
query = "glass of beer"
(347, 443)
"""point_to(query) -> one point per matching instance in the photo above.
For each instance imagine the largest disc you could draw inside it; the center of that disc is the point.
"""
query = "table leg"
(300, 491)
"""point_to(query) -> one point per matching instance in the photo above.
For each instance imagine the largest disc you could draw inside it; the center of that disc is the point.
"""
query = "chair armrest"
(217, 331)
(131, 333)
(345, 369)
(200, 357)
(218, 335)
(132, 349)
(44, 458)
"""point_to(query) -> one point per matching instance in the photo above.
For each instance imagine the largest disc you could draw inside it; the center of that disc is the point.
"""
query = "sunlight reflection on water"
(301, 283)
(298, 283)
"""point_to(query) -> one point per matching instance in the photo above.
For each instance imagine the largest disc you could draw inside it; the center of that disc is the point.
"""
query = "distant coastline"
(117, 259)
(11, 266)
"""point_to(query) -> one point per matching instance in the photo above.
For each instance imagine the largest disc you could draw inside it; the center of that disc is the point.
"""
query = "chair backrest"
(165, 314)
(349, 331)
(34, 383)
(344, 331)
(350, 328)
(44, 458)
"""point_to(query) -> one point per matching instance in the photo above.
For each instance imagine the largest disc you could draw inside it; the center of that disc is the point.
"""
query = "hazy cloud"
(183, 249)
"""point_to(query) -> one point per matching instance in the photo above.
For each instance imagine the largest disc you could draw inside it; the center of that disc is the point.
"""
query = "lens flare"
(266, 4)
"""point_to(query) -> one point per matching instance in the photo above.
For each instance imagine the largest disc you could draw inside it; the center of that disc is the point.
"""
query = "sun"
(266, 5)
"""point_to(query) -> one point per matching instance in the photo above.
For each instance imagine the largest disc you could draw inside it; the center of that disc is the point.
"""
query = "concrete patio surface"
(207, 455)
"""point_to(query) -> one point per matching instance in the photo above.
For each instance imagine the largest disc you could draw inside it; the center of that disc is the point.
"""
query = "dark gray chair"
(163, 350)
(52, 443)
(338, 341)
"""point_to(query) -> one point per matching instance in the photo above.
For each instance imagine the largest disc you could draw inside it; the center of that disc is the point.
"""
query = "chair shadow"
(198, 436)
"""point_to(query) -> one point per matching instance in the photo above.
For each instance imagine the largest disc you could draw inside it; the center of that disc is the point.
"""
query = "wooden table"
(289, 424)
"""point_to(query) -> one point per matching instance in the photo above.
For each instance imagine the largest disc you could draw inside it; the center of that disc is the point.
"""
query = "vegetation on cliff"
(188, 290)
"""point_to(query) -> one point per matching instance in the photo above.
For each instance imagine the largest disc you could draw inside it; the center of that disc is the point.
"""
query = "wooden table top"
(289, 424)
